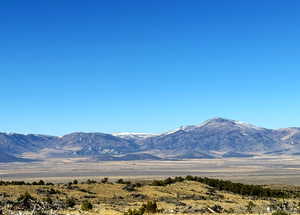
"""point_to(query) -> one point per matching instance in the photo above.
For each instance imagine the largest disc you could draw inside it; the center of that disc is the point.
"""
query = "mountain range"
(214, 138)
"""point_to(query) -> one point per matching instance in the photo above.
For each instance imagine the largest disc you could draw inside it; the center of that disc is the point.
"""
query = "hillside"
(5, 158)
(178, 195)
(215, 138)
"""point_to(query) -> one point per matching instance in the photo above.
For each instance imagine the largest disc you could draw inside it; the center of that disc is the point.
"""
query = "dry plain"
(257, 170)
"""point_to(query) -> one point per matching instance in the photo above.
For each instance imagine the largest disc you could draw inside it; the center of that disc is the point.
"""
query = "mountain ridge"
(214, 138)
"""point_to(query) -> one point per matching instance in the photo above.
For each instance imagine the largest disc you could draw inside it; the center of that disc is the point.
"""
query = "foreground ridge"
(181, 195)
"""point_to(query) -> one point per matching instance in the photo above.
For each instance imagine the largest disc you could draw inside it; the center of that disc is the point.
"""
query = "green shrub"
(157, 183)
(104, 180)
(138, 184)
(134, 212)
(25, 200)
(149, 207)
(120, 181)
(89, 181)
(49, 184)
(25, 197)
(279, 212)
(41, 182)
(86, 205)
(48, 200)
(250, 207)
(70, 202)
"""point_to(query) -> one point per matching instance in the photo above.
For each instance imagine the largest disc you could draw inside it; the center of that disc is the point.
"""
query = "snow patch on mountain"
(133, 135)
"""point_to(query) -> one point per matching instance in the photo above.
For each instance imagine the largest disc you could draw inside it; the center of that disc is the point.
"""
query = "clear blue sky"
(147, 66)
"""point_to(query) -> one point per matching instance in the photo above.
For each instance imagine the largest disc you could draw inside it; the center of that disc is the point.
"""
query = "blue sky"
(147, 66)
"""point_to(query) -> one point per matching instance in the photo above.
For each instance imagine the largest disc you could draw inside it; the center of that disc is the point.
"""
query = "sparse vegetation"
(86, 205)
(250, 207)
(70, 202)
(104, 180)
(179, 195)
(149, 207)
(280, 212)
(223, 185)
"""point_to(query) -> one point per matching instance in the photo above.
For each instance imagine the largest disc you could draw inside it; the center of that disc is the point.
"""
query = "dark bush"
(134, 212)
(41, 182)
(149, 207)
(89, 181)
(157, 183)
(280, 212)
(129, 187)
(48, 200)
(49, 184)
(104, 180)
(138, 184)
(24, 202)
(25, 197)
(86, 205)
(70, 202)
(250, 207)
(120, 181)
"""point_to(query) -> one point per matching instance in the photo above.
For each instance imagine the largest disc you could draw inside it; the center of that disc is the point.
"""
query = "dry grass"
(111, 199)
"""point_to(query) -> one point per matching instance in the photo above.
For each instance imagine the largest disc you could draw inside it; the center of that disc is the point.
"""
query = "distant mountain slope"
(19, 143)
(215, 135)
(193, 155)
(289, 135)
(127, 157)
(6, 158)
(236, 155)
(215, 138)
(96, 143)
